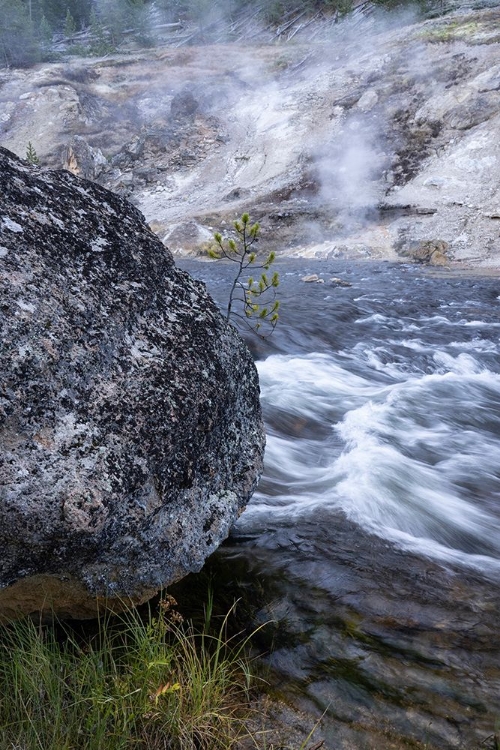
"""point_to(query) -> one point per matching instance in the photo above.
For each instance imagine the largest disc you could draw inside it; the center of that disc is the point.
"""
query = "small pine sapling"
(256, 295)
(31, 155)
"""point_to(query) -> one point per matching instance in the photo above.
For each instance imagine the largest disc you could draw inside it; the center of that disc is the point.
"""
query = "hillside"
(374, 137)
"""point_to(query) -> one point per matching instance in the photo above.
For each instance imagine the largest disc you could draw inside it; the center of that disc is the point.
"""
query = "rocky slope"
(375, 137)
(130, 427)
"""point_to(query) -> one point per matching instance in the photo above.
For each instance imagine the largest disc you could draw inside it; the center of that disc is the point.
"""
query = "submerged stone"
(130, 426)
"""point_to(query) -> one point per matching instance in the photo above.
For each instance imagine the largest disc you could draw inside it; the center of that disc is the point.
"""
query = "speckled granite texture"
(130, 426)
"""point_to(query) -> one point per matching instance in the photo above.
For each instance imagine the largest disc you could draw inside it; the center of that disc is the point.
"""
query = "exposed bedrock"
(130, 426)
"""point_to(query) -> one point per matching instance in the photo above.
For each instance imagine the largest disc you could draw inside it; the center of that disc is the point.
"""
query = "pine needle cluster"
(256, 295)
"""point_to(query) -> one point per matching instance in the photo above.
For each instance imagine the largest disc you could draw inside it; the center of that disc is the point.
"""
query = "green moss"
(453, 31)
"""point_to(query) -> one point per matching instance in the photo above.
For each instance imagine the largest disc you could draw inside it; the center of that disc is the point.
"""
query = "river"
(373, 541)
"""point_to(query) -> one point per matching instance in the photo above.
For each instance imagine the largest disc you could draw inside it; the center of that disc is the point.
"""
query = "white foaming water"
(478, 345)
(402, 462)
(415, 460)
(463, 364)
(423, 322)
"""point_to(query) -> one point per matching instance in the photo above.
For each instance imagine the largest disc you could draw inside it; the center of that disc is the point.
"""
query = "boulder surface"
(130, 428)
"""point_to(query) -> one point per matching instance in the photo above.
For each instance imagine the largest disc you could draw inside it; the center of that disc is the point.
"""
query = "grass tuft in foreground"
(139, 682)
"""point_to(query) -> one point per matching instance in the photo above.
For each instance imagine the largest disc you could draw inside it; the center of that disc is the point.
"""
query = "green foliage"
(45, 32)
(69, 24)
(112, 18)
(272, 11)
(31, 155)
(27, 26)
(149, 682)
(257, 295)
(101, 43)
(57, 12)
(18, 43)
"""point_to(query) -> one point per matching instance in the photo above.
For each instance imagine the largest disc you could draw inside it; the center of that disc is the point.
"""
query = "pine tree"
(31, 155)
(18, 42)
(69, 24)
(45, 32)
(257, 296)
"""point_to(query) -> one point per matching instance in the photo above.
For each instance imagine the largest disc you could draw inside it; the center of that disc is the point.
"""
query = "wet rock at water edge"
(336, 281)
(433, 252)
(130, 427)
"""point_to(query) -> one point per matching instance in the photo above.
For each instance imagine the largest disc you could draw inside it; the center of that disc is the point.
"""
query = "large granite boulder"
(130, 427)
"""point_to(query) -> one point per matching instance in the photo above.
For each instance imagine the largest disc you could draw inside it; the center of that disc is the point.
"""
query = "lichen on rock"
(130, 427)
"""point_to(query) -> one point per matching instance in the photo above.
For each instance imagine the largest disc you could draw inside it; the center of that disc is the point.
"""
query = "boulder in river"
(130, 426)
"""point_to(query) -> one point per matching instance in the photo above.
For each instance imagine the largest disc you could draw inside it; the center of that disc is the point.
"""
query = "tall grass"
(141, 682)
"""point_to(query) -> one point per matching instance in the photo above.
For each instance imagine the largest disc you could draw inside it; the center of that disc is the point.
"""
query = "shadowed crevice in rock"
(130, 425)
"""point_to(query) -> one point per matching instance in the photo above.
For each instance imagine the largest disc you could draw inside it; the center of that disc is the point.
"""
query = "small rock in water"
(312, 277)
(339, 282)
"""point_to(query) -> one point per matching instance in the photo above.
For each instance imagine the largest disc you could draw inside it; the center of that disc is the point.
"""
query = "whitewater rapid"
(373, 540)
(415, 461)
(382, 404)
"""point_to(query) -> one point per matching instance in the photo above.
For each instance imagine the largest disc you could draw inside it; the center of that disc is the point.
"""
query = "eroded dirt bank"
(377, 139)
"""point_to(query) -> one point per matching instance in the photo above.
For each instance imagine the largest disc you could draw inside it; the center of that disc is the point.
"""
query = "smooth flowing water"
(373, 541)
